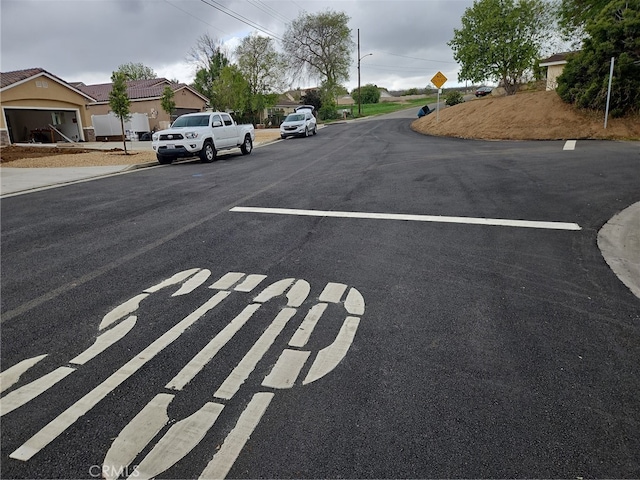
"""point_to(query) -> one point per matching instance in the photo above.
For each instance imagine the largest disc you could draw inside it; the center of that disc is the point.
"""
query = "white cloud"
(85, 40)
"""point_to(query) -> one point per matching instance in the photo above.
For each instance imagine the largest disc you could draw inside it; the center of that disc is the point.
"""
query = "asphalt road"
(430, 345)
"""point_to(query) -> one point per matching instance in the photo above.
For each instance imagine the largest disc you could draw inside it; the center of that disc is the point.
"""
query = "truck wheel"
(247, 146)
(208, 152)
(163, 159)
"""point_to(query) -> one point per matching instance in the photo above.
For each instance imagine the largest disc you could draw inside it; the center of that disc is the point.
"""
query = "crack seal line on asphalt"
(414, 218)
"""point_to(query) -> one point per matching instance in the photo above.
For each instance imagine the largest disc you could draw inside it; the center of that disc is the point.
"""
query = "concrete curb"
(619, 242)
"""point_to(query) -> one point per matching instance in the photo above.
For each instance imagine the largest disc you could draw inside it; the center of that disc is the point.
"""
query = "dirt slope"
(525, 116)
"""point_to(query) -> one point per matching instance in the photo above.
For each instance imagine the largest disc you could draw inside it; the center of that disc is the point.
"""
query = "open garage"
(42, 108)
(25, 125)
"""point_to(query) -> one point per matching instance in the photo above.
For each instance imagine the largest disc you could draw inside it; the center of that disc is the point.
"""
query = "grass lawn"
(369, 109)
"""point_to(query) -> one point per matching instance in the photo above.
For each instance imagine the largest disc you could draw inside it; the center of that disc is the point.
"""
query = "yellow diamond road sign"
(438, 80)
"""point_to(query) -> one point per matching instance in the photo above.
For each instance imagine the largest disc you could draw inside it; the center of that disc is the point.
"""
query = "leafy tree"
(167, 101)
(232, 90)
(573, 15)
(137, 71)
(615, 32)
(500, 40)
(119, 101)
(312, 97)
(328, 94)
(370, 94)
(320, 45)
(210, 58)
(263, 68)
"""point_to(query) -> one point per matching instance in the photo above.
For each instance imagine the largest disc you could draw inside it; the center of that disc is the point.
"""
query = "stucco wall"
(153, 108)
(553, 72)
(46, 93)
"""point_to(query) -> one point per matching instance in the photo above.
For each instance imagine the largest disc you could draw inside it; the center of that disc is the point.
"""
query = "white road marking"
(332, 293)
(298, 293)
(204, 356)
(136, 435)
(177, 278)
(224, 459)
(122, 310)
(302, 334)
(11, 375)
(354, 303)
(286, 370)
(569, 145)
(244, 368)
(57, 426)
(105, 340)
(413, 218)
(329, 357)
(251, 282)
(227, 281)
(181, 438)
(274, 290)
(28, 392)
(193, 283)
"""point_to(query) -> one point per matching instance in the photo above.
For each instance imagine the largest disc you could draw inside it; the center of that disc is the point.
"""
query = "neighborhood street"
(368, 302)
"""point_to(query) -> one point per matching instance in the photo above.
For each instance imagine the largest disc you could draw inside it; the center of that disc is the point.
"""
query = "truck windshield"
(192, 121)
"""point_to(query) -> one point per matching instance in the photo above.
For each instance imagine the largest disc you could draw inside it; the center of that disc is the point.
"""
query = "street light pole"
(360, 58)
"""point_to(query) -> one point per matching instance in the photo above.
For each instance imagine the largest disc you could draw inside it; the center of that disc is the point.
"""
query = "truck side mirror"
(217, 123)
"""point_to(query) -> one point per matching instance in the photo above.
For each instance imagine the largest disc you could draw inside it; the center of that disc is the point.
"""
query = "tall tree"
(615, 32)
(210, 58)
(320, 43)
(167, 101)
(500, 40)
(119, 101)
(573, 15)
(232, 90)
(137, 71)
(264, 70)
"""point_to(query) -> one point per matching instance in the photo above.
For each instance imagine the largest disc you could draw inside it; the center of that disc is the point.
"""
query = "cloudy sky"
(85, 40)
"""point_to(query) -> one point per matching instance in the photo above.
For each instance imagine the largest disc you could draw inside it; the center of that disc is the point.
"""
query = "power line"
(269, 11)
(197, 18)
(416, 58)
(239, 17)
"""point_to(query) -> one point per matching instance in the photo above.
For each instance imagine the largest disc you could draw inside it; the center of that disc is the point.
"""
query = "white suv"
(299, 124)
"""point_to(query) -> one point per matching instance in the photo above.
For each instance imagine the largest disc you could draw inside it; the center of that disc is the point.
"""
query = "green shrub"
(585, 79)
(454, 97)
(328, 112)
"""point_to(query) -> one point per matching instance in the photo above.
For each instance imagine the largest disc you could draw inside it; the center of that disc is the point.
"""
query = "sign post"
(438, 80)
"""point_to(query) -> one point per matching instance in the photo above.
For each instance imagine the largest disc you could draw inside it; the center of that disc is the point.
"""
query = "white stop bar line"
(413, 218)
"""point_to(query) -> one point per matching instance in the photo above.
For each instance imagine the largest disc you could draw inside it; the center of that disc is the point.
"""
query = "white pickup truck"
(202, 134)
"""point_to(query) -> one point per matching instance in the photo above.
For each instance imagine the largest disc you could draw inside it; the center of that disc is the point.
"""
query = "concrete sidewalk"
(18, 181)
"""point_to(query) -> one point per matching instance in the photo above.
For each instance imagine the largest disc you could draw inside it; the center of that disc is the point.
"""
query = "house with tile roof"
(145, 96)
(39, 106)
